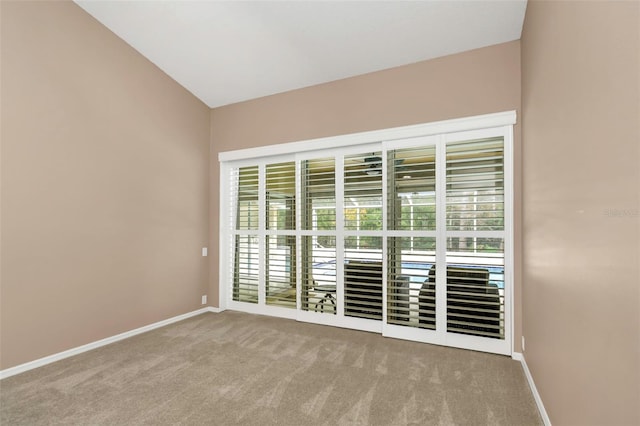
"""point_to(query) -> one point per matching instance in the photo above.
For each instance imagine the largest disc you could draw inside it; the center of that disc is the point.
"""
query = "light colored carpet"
(236, 368)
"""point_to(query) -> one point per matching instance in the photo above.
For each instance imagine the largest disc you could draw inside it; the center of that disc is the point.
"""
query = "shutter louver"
(281, 271)
(281, 192)
(475, 287)
(319, 281)
(475, 262)
(246, 269)
(411, 296)
(411, 207)
(246, 261)
(412, 189)
(247, 198)
(363, 280)
(475, 185)
(362, 251)
(363, 192)
(318, 192)
(280, 246)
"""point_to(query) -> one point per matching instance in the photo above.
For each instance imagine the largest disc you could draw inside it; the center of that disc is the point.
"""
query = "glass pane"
(281, 195)
(475, 286)
(411, 295)
(363, 191)
(247, 207)
(363, 280)
(246, 269)
(319, 194)
(281, 271)
(475, 185)
(318, 275)
(412, 189)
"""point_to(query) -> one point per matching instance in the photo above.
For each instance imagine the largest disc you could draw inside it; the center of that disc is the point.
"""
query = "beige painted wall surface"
(104, 185)
(476, 82)
(581, 150)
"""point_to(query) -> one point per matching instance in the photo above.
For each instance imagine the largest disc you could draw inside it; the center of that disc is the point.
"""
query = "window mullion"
(262, 226)
(339, 188)
(298, 227)
(441, 237)
(385, 252)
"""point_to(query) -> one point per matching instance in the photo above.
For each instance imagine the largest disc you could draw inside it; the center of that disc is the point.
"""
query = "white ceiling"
(230, 51)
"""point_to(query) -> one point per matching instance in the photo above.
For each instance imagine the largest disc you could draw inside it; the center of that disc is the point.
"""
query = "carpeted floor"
(236, 368)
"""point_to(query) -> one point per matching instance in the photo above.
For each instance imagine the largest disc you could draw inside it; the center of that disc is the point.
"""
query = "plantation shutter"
(280, 245)
(411, 207)
(362, 247)
(318, 292)
(475, 242)
(246, 262)
(406, 232)
(363, 281)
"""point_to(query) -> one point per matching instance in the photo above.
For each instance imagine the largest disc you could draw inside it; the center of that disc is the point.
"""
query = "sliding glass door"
(406, 237)
(446, 241)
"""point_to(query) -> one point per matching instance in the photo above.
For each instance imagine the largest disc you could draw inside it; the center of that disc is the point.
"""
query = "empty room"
(320, 212)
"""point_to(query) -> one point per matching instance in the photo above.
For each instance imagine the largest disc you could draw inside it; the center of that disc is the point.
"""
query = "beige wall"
(476, 82)
(104, 163)
(581, 150)
(104, 185)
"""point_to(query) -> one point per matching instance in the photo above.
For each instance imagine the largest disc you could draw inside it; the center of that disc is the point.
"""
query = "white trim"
(340, 320)
(224, 239)
(441, 239)
(509, 237)
(261, 233)
(341, 141)
(517, 356)
(214, 309)
(339, 191)
(99, 343)
(298, 220)
(262, 309)
(385, 235)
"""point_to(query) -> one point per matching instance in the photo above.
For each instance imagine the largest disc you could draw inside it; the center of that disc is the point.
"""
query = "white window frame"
(439, 133)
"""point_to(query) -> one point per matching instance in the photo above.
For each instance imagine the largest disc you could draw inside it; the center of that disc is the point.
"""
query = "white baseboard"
(543, 413)
(89, 346)
(94, 345)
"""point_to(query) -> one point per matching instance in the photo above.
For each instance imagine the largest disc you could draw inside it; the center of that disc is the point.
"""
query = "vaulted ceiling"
(230, 51)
